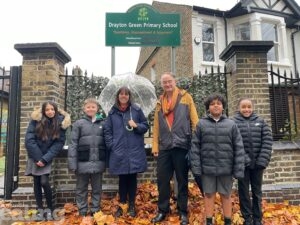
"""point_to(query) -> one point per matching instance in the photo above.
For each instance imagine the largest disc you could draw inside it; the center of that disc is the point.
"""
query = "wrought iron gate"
(10, 89)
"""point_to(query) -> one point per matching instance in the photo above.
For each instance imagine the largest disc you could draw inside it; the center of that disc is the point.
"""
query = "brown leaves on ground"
(146, 206)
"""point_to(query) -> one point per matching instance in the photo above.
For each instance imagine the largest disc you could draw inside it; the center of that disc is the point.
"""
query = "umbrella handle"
(128, 127)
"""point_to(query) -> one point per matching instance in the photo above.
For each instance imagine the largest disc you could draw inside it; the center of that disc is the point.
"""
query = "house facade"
(205, 33)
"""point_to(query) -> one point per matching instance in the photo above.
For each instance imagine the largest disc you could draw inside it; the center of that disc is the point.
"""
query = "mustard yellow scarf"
(168, 107)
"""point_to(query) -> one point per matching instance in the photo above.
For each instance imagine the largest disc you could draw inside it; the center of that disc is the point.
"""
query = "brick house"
(206, 32)
(206, 35)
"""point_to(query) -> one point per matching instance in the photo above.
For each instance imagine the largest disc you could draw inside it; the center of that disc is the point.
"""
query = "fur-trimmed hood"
(37, 115)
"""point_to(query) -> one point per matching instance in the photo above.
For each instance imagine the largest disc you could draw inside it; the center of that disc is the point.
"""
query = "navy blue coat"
(45, 150)
(126, 148)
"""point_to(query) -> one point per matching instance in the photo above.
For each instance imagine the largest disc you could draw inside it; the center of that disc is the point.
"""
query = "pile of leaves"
(146, 206)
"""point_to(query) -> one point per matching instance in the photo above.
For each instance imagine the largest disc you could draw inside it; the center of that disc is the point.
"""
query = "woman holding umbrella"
(124, 132)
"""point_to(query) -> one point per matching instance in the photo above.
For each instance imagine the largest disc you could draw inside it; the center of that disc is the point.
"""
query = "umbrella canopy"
(142, 91)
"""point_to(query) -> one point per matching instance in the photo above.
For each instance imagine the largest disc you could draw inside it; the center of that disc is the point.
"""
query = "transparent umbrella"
(142, 90)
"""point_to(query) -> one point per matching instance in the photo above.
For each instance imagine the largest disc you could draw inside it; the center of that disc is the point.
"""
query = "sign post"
(142, 26)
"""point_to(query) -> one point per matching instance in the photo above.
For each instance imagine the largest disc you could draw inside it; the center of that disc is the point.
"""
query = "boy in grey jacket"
(217, 155)
(86, 156)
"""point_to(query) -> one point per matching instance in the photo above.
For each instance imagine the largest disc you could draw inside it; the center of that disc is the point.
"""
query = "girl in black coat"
(45, 137)
(257, 139)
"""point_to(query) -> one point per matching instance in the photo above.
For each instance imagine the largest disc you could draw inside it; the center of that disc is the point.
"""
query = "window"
(269, 33)
(208, 42)
(153, 74)
(242, 32)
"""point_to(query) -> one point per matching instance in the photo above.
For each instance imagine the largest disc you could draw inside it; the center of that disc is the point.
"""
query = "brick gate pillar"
(247, 63)
(42, 64)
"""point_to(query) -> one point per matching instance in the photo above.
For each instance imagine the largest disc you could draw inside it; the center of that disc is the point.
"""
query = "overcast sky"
(78, 26)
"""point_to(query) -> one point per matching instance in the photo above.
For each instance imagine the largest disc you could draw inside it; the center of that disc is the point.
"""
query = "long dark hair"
(48, 128)
(127, 91)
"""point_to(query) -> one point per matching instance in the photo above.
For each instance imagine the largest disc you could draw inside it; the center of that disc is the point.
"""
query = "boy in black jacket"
(217, 155)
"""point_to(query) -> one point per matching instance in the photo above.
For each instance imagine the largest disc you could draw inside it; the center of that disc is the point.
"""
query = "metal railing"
(285, 105)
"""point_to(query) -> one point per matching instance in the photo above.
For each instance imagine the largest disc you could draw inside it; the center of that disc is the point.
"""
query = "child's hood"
(37, 115)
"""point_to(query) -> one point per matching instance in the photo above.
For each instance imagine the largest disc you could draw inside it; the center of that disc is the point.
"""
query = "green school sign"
(142, 25)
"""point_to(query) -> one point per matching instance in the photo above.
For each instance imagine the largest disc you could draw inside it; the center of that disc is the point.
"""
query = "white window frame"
(275, 48)
(237, 31)
(256, 20)
(209, 42)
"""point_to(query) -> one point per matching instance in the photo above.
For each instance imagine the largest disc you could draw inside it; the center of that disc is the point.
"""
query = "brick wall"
(41, 67)
(282, 177)
(249, 79)
(159, 58)
(41, 82)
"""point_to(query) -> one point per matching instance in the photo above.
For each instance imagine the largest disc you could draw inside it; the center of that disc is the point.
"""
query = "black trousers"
(127, 187)
(39, 183)
(169, 161)
(253, 178)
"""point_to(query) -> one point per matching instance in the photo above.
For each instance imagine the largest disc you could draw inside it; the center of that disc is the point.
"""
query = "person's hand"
(155, 154)
(40, 164)
(259, 167)
(132, 124)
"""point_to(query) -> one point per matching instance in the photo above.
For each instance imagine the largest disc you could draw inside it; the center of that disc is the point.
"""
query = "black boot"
(248, 221)
(227, 221)
(131, 209)
(159, 217)
(209, 221)
(119, 212)
(257, 222)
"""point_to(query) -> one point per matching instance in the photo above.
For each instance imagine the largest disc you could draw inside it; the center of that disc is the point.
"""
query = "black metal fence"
(10, 94)
(285, 105)
(283, 89)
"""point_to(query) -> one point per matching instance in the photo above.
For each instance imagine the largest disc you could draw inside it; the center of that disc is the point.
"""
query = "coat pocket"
(83, 153)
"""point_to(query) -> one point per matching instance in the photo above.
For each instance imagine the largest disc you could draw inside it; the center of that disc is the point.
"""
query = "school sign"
(142, 25)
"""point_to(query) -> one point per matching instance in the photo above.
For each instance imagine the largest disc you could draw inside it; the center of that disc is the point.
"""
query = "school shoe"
(257, 222)
(227, 221)
(39, 217)
(183, 219)
(131, 210)
(83, 214)
(209, 221)
(248, 222)
(119, 212)
(49, 216)
(159, 217)
(93, 213)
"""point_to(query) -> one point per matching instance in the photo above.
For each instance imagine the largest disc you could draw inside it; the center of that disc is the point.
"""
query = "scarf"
(168, 106)
(123, 108)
